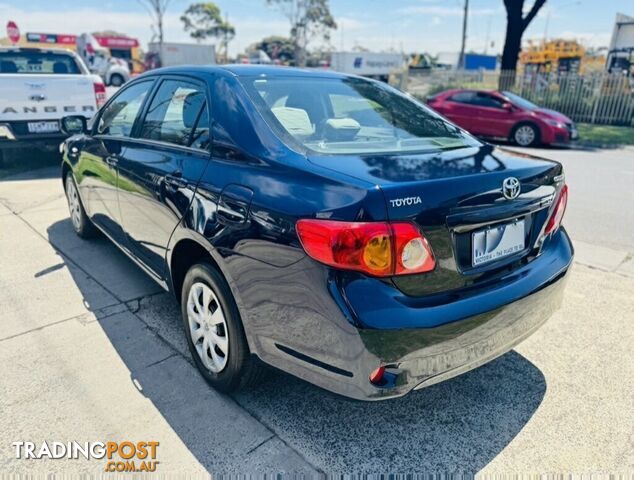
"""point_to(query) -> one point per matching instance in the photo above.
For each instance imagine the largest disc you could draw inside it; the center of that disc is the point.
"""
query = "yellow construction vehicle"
(553, 56)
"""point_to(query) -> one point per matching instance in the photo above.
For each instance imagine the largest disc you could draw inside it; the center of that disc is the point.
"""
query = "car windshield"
(38, 62)
(519, 101)
(350, 116)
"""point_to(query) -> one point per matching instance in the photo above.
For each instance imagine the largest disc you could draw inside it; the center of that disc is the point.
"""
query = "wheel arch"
(184, 253)
(66, 169)
(188, 248)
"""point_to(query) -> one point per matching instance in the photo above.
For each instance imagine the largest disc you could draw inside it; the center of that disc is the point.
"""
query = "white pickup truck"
(37, 88)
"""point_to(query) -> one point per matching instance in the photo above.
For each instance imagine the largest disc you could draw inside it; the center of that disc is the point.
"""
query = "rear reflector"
(100, 94)
(376, 377)
(558, 212)
(377, 248)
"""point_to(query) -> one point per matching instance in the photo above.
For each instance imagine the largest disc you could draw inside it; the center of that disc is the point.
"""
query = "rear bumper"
(444, 352)
(419, 344)
(13, 135)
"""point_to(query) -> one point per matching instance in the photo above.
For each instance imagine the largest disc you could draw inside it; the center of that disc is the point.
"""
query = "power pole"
(464, 34)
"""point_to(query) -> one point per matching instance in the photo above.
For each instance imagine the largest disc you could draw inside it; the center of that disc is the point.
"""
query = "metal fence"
(598, 97)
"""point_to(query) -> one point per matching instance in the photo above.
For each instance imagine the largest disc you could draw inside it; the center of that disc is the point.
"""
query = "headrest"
(60, 67)
(8, 66)
(294, 120)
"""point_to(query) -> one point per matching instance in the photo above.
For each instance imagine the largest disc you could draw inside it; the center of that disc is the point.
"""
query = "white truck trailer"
(184, 53)
(367, 64)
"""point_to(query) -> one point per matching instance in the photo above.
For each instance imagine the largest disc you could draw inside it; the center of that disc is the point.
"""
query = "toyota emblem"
(511, 188)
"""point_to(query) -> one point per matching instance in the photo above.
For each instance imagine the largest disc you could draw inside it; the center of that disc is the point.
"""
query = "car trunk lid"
(451, 195)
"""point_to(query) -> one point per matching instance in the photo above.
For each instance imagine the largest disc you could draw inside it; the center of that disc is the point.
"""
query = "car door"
(493, 119)
(96, 169)
(162, 165)
(460, 109)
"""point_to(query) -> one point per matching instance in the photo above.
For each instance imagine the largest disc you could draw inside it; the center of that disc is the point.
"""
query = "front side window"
(178, 115)
(118, 117)
(486, 100)
(350, 115)
(519, 101)
(38, 62)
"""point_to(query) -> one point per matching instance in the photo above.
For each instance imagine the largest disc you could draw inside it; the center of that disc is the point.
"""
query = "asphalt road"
(601, 206)
(92, 350)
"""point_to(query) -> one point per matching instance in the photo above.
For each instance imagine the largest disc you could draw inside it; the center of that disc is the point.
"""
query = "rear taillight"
(100, 93)
(558, 212)
(380, 249)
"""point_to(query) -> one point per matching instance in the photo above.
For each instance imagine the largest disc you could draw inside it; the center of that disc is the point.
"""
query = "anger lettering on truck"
(51, 109)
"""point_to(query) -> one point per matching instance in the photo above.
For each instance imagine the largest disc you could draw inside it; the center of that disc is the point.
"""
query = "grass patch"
(605, 135)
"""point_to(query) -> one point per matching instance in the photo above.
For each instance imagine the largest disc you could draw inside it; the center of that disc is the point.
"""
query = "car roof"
(37, 50)
(249, 70)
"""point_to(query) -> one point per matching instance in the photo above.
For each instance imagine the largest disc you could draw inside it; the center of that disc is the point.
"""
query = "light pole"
(464, 34)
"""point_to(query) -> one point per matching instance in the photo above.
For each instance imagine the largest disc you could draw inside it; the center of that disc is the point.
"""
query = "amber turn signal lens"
(377, 254)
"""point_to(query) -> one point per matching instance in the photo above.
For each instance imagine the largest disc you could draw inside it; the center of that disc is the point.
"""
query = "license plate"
(43, 127)
(497, 242)
(574, 134)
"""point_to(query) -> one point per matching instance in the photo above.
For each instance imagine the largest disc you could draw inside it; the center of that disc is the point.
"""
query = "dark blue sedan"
(324, 224)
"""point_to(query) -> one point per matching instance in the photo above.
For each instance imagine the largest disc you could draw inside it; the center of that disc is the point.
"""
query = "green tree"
(308, 19)
(276, 47)
(204, 20)
(156, 10)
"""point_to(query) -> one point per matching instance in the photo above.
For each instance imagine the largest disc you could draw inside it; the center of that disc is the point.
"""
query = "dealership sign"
(117, 42)
(13, 32)
(53, 38)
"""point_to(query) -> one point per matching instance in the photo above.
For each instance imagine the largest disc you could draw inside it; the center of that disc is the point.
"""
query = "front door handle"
(112, 161)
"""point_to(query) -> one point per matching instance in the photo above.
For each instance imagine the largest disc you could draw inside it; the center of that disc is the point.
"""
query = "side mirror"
(507, 106)
(74, 124)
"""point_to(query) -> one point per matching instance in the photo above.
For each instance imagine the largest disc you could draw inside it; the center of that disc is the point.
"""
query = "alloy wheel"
(208, 327)
(74, 207)
(525, 135)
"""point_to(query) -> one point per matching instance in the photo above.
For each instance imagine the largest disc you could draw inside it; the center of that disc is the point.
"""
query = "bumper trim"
(6, 132)
(314, 361)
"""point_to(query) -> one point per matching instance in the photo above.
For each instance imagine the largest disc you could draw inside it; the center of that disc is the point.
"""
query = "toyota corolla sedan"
(327, 225)
(506, 116)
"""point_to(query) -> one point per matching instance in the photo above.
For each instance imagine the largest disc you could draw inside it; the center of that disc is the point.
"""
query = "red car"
(504, 115)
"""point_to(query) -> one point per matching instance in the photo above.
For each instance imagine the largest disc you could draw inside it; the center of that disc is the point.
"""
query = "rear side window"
(38, 62)
(118, 117)
(200, 135)
(464, 97)
(178, 115)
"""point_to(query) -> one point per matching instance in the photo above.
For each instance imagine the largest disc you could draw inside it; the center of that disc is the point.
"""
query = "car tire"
(214, 331)
(526, 135)
(116, 80)
(82, 225)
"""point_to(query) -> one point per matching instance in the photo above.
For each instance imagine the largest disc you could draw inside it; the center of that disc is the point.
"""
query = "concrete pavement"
(93, 350)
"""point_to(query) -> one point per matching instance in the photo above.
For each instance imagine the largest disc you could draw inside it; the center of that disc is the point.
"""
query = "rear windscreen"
(350, 115)
(38, 62)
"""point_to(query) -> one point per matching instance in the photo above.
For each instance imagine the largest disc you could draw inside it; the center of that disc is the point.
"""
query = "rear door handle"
(112, 160)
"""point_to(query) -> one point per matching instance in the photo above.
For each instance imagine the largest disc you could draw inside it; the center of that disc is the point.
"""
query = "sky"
(432, 26)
